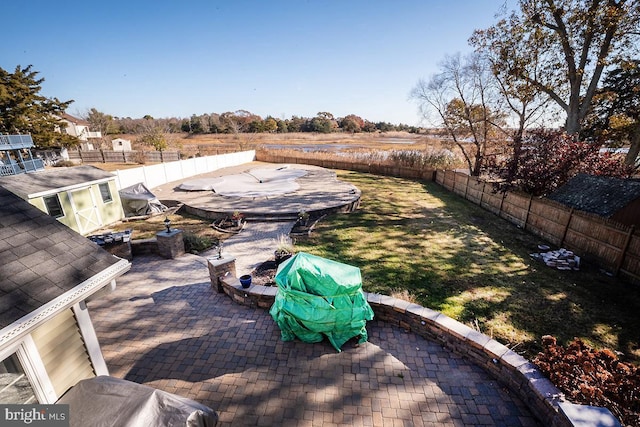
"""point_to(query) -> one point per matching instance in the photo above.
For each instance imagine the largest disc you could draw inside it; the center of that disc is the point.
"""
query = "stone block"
(170, 244)
(588, 416)
(220, 268)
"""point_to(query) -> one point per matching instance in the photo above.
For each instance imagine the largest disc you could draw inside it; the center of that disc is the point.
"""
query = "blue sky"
(280, 58)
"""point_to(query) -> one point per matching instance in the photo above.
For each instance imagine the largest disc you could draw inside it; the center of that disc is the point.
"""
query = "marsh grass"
(429, 158)
(457, 258)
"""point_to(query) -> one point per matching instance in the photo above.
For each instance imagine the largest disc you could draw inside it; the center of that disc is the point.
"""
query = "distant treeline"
(243, 121)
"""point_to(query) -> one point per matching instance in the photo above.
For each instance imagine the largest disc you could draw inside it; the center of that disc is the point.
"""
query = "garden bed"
(265, 274)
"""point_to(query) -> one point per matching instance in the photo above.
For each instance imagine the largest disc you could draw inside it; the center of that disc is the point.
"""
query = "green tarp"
(319, 297)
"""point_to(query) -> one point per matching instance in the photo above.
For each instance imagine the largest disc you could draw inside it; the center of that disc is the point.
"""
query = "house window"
(14, 384)
(54, 208)
(105, 192)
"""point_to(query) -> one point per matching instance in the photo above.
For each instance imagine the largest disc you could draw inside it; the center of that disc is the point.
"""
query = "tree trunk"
(634, 149)
(572, 124)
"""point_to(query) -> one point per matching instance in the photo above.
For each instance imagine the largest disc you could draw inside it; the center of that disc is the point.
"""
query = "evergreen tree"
(23, 110)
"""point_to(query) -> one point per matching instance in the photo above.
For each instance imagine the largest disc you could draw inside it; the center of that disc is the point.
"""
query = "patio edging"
(512, 370)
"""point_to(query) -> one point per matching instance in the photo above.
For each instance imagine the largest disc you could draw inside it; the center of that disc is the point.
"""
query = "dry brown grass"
(386, 141)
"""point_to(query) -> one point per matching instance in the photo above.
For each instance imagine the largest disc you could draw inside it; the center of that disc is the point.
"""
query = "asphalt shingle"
(31, 274)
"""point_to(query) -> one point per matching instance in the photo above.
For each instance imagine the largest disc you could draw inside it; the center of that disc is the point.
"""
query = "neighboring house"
(83, 198)
(47, 272)
(80, 129)
(16, 156)
(120, 144)
(612, 198)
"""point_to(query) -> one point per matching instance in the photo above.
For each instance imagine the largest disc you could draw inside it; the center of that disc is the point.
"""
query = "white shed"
(120, 144)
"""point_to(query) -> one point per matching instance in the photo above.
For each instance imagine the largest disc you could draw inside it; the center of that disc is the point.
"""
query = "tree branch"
(588, 37)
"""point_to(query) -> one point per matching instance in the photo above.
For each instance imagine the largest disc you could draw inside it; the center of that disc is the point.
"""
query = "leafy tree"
(185, 125)
(325, 115)
(100, 122)
(561, 47)
(296, 124)
(237, 121)
(282, 126)
(461, 98)
(323, 122)
(616, 114)
(352, 123)
(524, 102)
(369, 126)
(385, 127)
(24, 110)
(320, 125)
(256, 126)
(154, 136)
(213, 123)
(550, 158)
(196, 125)
(270, 124)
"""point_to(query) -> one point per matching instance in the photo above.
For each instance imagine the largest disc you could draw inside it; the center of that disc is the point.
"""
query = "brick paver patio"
(164, 326)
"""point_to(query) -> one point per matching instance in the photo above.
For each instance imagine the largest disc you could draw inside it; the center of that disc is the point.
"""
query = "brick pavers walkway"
(164, 326)
(253, 245)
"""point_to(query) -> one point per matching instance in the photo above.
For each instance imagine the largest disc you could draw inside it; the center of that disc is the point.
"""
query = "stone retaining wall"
(512, 370)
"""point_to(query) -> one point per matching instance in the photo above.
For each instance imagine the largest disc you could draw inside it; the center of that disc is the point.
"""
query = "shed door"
(85, 209)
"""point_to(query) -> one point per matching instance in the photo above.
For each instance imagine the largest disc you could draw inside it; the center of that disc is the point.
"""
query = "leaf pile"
(592, 377)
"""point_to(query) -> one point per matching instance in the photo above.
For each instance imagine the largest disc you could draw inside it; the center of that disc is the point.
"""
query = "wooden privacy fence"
(346, 164)
(609, 243)
(108, 156)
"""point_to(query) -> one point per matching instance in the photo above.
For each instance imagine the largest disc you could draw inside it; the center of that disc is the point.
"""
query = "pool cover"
(318, 297)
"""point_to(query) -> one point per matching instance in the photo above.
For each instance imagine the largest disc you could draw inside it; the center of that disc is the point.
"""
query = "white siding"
(63, 351)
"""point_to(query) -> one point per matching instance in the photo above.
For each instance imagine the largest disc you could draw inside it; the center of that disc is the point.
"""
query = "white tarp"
(138, 200)
(258, 182)
(107, 401)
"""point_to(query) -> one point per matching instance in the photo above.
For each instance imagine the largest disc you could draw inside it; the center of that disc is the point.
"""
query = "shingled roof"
(29, 185)
(599, 195)
(42, 259)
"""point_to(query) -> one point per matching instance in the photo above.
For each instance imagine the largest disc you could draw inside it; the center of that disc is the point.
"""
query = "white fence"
(156, 175)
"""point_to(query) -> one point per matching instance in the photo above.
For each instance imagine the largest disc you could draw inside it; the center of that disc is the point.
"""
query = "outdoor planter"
(227, 225)
(281, 257)
(245, 280)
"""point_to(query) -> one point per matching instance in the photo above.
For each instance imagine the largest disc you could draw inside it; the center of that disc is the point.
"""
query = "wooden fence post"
(526, 218)
(623, 252)
(504, 196)
(566, 227)
(466, 188)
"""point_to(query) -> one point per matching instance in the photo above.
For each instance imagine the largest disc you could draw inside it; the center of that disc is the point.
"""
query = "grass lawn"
(453, 256)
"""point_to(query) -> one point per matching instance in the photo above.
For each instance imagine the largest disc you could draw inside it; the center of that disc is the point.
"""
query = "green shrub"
(195, 244)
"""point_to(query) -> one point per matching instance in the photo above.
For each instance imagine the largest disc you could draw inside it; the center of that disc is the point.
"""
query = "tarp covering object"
(319, 297)
(138, 200)
(107, 401)
(258, 182)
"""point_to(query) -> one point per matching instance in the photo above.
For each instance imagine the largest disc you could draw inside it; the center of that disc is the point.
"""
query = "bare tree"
(462, 99)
